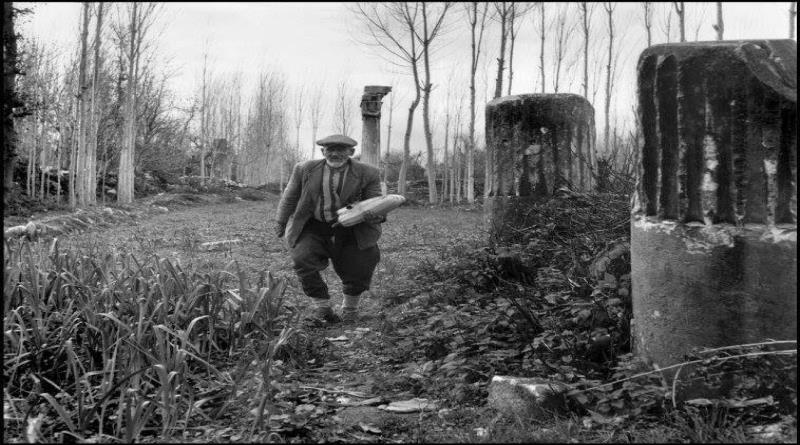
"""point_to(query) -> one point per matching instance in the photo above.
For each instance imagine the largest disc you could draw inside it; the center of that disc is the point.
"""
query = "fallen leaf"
(344, 401)
(369, 428)
(410, 406)
(371, 402)
(304, 408)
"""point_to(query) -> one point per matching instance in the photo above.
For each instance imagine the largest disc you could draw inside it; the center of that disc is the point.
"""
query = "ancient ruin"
(714, 221)
(536, 144)
(371, 102)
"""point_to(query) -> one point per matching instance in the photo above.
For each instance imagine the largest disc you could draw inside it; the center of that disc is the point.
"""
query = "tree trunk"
(426, 121)
(125, 176)
(585, 15)
(10, 99)
(95, 112)
(388, 141)
(498, 86)
(401, 178)
(474, 68)
(607, 108)
(83, 126)
(541, 48)
(43, 149)
(204, 119)
(792, 16)
(680, 9)
(648, 22)
(511, 48)
(720, 28)
(446, 174)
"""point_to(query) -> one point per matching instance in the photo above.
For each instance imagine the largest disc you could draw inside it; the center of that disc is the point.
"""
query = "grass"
(114, 342)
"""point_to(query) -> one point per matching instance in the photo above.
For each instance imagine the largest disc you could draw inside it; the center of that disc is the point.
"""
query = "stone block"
(527, 397)
(536, 144)
(714, 217)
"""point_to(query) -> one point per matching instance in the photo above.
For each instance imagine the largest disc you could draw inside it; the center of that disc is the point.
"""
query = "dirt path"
(321, 400)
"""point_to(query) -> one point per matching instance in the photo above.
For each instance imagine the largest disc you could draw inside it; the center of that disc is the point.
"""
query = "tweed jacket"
(296, 206)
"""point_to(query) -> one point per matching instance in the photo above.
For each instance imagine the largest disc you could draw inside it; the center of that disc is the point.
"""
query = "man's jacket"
(305, 186)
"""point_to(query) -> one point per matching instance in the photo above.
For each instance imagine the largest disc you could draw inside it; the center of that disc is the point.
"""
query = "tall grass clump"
(108, 346)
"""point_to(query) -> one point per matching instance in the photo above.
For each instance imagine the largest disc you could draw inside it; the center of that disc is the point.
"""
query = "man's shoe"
(325, 315)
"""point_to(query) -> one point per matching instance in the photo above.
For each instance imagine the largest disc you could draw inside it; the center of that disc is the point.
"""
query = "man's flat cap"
(337, 139)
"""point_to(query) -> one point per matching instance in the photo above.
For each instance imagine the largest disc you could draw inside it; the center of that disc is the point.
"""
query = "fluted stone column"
(536, 144)
(371, 102)
(714, 220)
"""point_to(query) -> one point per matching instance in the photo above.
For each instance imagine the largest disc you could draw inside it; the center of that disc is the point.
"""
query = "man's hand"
(280, 229)
(372, 218)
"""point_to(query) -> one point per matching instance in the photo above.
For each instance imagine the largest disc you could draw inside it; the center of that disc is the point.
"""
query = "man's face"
(337, 155)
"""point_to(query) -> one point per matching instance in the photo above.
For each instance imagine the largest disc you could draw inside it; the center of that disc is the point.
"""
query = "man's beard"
(335, 164)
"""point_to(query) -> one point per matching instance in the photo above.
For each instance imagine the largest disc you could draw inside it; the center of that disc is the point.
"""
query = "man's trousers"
(318, 243)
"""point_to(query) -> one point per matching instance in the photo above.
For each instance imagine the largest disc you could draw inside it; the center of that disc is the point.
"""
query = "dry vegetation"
(135, 331)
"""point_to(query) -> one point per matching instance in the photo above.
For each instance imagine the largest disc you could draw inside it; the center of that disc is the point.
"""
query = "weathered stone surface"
(526, 397)
(536, 144)
(714, 220)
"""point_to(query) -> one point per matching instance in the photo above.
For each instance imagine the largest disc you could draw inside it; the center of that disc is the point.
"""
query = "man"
(306, 215)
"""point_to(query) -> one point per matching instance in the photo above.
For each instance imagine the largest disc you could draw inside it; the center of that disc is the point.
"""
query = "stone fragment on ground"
(526, 397)
(220, 245)
(410, 406)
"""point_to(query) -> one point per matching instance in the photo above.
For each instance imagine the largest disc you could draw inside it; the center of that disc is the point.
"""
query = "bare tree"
(792, 18)
(297, 114)
(456, 177)
(542, 36)
(204, 112)
(476, 16)
(85, 192)
(562, 31)
(141, 16)
(315, 116)
(700, 18)
(719, 27)
(263, 132)
(388, 142)
(502, 13)
(11, 99)
(80, 172)
(446, 158)
(680, 10)
(609, 8)
(343, 116)
(666, 25)
(647, 8)
(518, 11)
(586, 11)
(392, 27)
(426, 38)
(94, 109)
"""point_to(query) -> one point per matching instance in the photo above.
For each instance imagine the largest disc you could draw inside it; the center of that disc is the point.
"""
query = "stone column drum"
(714, 219)
(371, 102)
(536, 144)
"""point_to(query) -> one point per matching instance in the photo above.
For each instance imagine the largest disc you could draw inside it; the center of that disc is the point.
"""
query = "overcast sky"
(317, 43)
